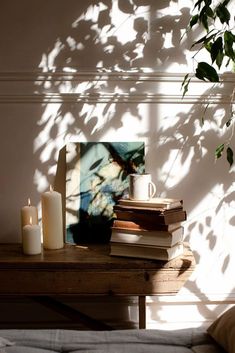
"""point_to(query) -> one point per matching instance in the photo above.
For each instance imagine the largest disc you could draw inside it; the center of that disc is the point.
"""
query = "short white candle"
(29, 212)
(31, 239)
(52, 220)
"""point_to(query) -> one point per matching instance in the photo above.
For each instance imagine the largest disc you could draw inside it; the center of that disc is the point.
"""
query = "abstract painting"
(96, 177)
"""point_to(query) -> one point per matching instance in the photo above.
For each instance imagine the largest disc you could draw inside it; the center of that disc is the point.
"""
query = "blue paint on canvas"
(104, 170)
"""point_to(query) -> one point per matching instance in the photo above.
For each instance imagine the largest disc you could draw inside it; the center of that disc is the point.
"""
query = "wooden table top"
(89, 270)
(90, 256)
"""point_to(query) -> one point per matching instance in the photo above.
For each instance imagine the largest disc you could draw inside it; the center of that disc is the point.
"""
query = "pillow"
(222, 330)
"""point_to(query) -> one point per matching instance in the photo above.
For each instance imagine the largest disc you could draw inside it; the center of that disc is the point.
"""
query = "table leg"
(142, 311)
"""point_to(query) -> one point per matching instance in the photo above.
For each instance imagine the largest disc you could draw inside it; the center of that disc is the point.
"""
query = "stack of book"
(148, 229)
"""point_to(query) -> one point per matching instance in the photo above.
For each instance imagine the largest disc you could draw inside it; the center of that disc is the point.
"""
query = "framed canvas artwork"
(97, 175)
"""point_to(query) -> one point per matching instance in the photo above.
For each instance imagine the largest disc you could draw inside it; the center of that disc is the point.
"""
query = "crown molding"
(136, 87)
(101, 74)
(70, 98)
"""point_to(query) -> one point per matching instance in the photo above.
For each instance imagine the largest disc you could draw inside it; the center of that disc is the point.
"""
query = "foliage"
(218, 40)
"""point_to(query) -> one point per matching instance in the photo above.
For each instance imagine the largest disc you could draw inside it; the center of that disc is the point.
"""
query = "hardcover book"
(96, 177)
(146, 252)
(145, 237)
(155, 202)
(142, 225)
(146, 209)
(153, 217)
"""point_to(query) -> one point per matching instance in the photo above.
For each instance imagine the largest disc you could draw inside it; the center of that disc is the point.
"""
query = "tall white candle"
(31, 239)
(52, 220)
(29, 214)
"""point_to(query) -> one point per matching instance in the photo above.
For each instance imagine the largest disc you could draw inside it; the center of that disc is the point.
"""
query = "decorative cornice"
(31, 87)
(114, 98)
(103, 75)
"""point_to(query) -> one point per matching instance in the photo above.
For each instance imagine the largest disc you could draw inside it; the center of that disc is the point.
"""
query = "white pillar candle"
(52, 220)
(29, 214)
(31, 239)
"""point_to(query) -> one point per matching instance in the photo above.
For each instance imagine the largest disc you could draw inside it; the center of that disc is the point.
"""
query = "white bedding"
(119, 341)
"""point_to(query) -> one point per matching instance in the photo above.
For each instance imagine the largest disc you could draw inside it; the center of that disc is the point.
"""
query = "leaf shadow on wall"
(94, 112)
(67, 43)
(197, 148)
(93, 125)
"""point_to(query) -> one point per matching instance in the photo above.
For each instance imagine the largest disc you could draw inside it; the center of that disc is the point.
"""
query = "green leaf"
(225, 2)
(208, 46)
(223, 13)
(193, 20)
(230, 156)
(219, 58)
(205, 72)
(185, 84)
(229, 40)
(201, 40)
(216, 48)
(209, 12)
(205, 39)
(198, 4)
(184, 80)
(204, 21)
(219, 150)
(227, 63)
(185, 88)
(205, 13)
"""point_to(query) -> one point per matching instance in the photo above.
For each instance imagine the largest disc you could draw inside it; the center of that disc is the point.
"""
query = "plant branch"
(219, 43)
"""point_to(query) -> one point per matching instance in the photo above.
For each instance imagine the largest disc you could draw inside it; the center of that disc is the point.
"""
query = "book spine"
(143, 209)
(129, 225)
(142, 225)
(154, 238)
(151, 218)
(158, 204)
(136, 239)
(146, 251)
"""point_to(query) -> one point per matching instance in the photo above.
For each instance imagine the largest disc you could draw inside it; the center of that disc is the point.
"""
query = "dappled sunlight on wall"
(111, 36)
(112, 71)
(186, 141)
(122, 35)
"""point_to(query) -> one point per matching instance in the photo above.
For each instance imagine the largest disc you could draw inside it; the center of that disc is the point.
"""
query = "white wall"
(88, 71)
